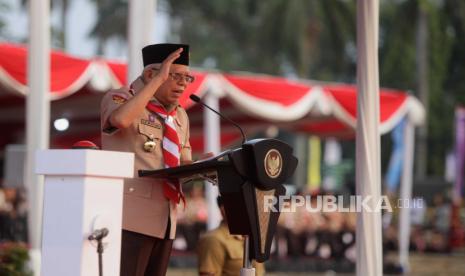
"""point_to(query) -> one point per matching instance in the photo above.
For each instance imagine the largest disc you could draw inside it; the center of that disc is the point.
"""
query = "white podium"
(83, 192)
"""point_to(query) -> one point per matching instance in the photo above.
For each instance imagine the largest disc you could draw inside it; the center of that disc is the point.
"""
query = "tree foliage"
(316, 40)
(111, 21)
(13, 259)
(4, 7)
(58, 34)
(275, 36)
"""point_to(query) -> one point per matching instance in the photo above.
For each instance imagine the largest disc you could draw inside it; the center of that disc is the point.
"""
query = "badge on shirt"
(150, 123)
(149, 145)
(118, 99)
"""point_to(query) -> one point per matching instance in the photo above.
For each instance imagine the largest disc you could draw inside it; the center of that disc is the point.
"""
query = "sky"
(81, 17)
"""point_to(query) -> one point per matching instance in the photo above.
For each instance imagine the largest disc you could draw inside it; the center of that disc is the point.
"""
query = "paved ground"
(438, 265)
(421, 265)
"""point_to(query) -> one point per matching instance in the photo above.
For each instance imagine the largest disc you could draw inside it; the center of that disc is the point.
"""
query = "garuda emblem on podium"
(273, 163)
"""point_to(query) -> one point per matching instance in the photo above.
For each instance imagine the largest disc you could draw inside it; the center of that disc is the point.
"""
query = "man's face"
(171, 90)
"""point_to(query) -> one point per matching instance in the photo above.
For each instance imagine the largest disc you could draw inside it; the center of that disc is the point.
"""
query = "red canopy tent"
(254, 101)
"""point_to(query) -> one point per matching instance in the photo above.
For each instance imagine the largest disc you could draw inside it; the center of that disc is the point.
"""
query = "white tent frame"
(37, 118)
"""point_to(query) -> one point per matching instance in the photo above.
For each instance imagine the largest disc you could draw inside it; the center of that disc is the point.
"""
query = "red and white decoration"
(171, 150)
(254, 101)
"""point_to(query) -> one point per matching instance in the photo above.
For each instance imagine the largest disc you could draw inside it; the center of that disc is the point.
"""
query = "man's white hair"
(152, 66)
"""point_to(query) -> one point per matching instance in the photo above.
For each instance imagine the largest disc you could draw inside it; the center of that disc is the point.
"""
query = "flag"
(314, 162)
(396, 161)
(459, 152)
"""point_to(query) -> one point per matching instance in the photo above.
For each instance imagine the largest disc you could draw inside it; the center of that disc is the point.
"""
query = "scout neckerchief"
(171, 150)
(172, 190)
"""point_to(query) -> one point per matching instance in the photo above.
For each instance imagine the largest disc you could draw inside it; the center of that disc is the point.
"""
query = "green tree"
(398, 65)
(275, 36)
(4, 7)
(58, 34)
(455, 83)
(111, 21)
(316, 40)
(397, 44)
(440, 103)
(13, 259)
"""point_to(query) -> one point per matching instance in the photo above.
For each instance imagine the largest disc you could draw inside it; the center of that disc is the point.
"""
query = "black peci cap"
(157, 53)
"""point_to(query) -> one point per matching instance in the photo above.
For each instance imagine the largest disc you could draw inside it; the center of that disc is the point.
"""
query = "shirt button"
(131, 189)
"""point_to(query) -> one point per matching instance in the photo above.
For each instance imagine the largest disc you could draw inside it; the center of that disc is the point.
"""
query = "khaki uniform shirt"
(145, 209)
(220, 253)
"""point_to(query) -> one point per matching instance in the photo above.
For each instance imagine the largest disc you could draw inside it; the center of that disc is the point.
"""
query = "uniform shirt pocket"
(150, 133)
(150, 129)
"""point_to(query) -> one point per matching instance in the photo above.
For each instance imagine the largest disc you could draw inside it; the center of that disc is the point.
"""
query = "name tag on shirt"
(149, 123)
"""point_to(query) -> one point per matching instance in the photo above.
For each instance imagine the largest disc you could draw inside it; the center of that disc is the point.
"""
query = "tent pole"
(212, 142)
(140, 25)
(37, 118)
(368, 233)
(406, 195)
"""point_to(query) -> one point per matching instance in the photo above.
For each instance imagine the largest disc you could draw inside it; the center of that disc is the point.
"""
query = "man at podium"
(146, 119)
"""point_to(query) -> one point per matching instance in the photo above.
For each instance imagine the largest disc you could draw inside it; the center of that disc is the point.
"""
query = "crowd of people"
(327, 235)
(13, 215)
(299, 234)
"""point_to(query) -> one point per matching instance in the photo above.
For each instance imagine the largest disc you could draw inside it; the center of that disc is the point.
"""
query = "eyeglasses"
(179, 76)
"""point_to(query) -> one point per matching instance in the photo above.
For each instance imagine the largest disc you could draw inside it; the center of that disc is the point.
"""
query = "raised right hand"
(166, 64)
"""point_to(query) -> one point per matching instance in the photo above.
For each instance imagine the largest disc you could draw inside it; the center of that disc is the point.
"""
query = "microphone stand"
(196, 99)
(247, 269)
(100, 253)
(98, 235)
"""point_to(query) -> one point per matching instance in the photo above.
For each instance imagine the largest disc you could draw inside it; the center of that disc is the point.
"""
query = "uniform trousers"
(143, 255)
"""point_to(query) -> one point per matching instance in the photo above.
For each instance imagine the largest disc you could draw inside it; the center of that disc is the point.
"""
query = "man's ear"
(147, 74)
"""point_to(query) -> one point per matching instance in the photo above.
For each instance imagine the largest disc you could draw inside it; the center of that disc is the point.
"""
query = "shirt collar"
(137, 85)
(224, 227)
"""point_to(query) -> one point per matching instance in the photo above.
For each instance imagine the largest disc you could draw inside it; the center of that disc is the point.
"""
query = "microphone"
(98, 234)
(196, 99)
